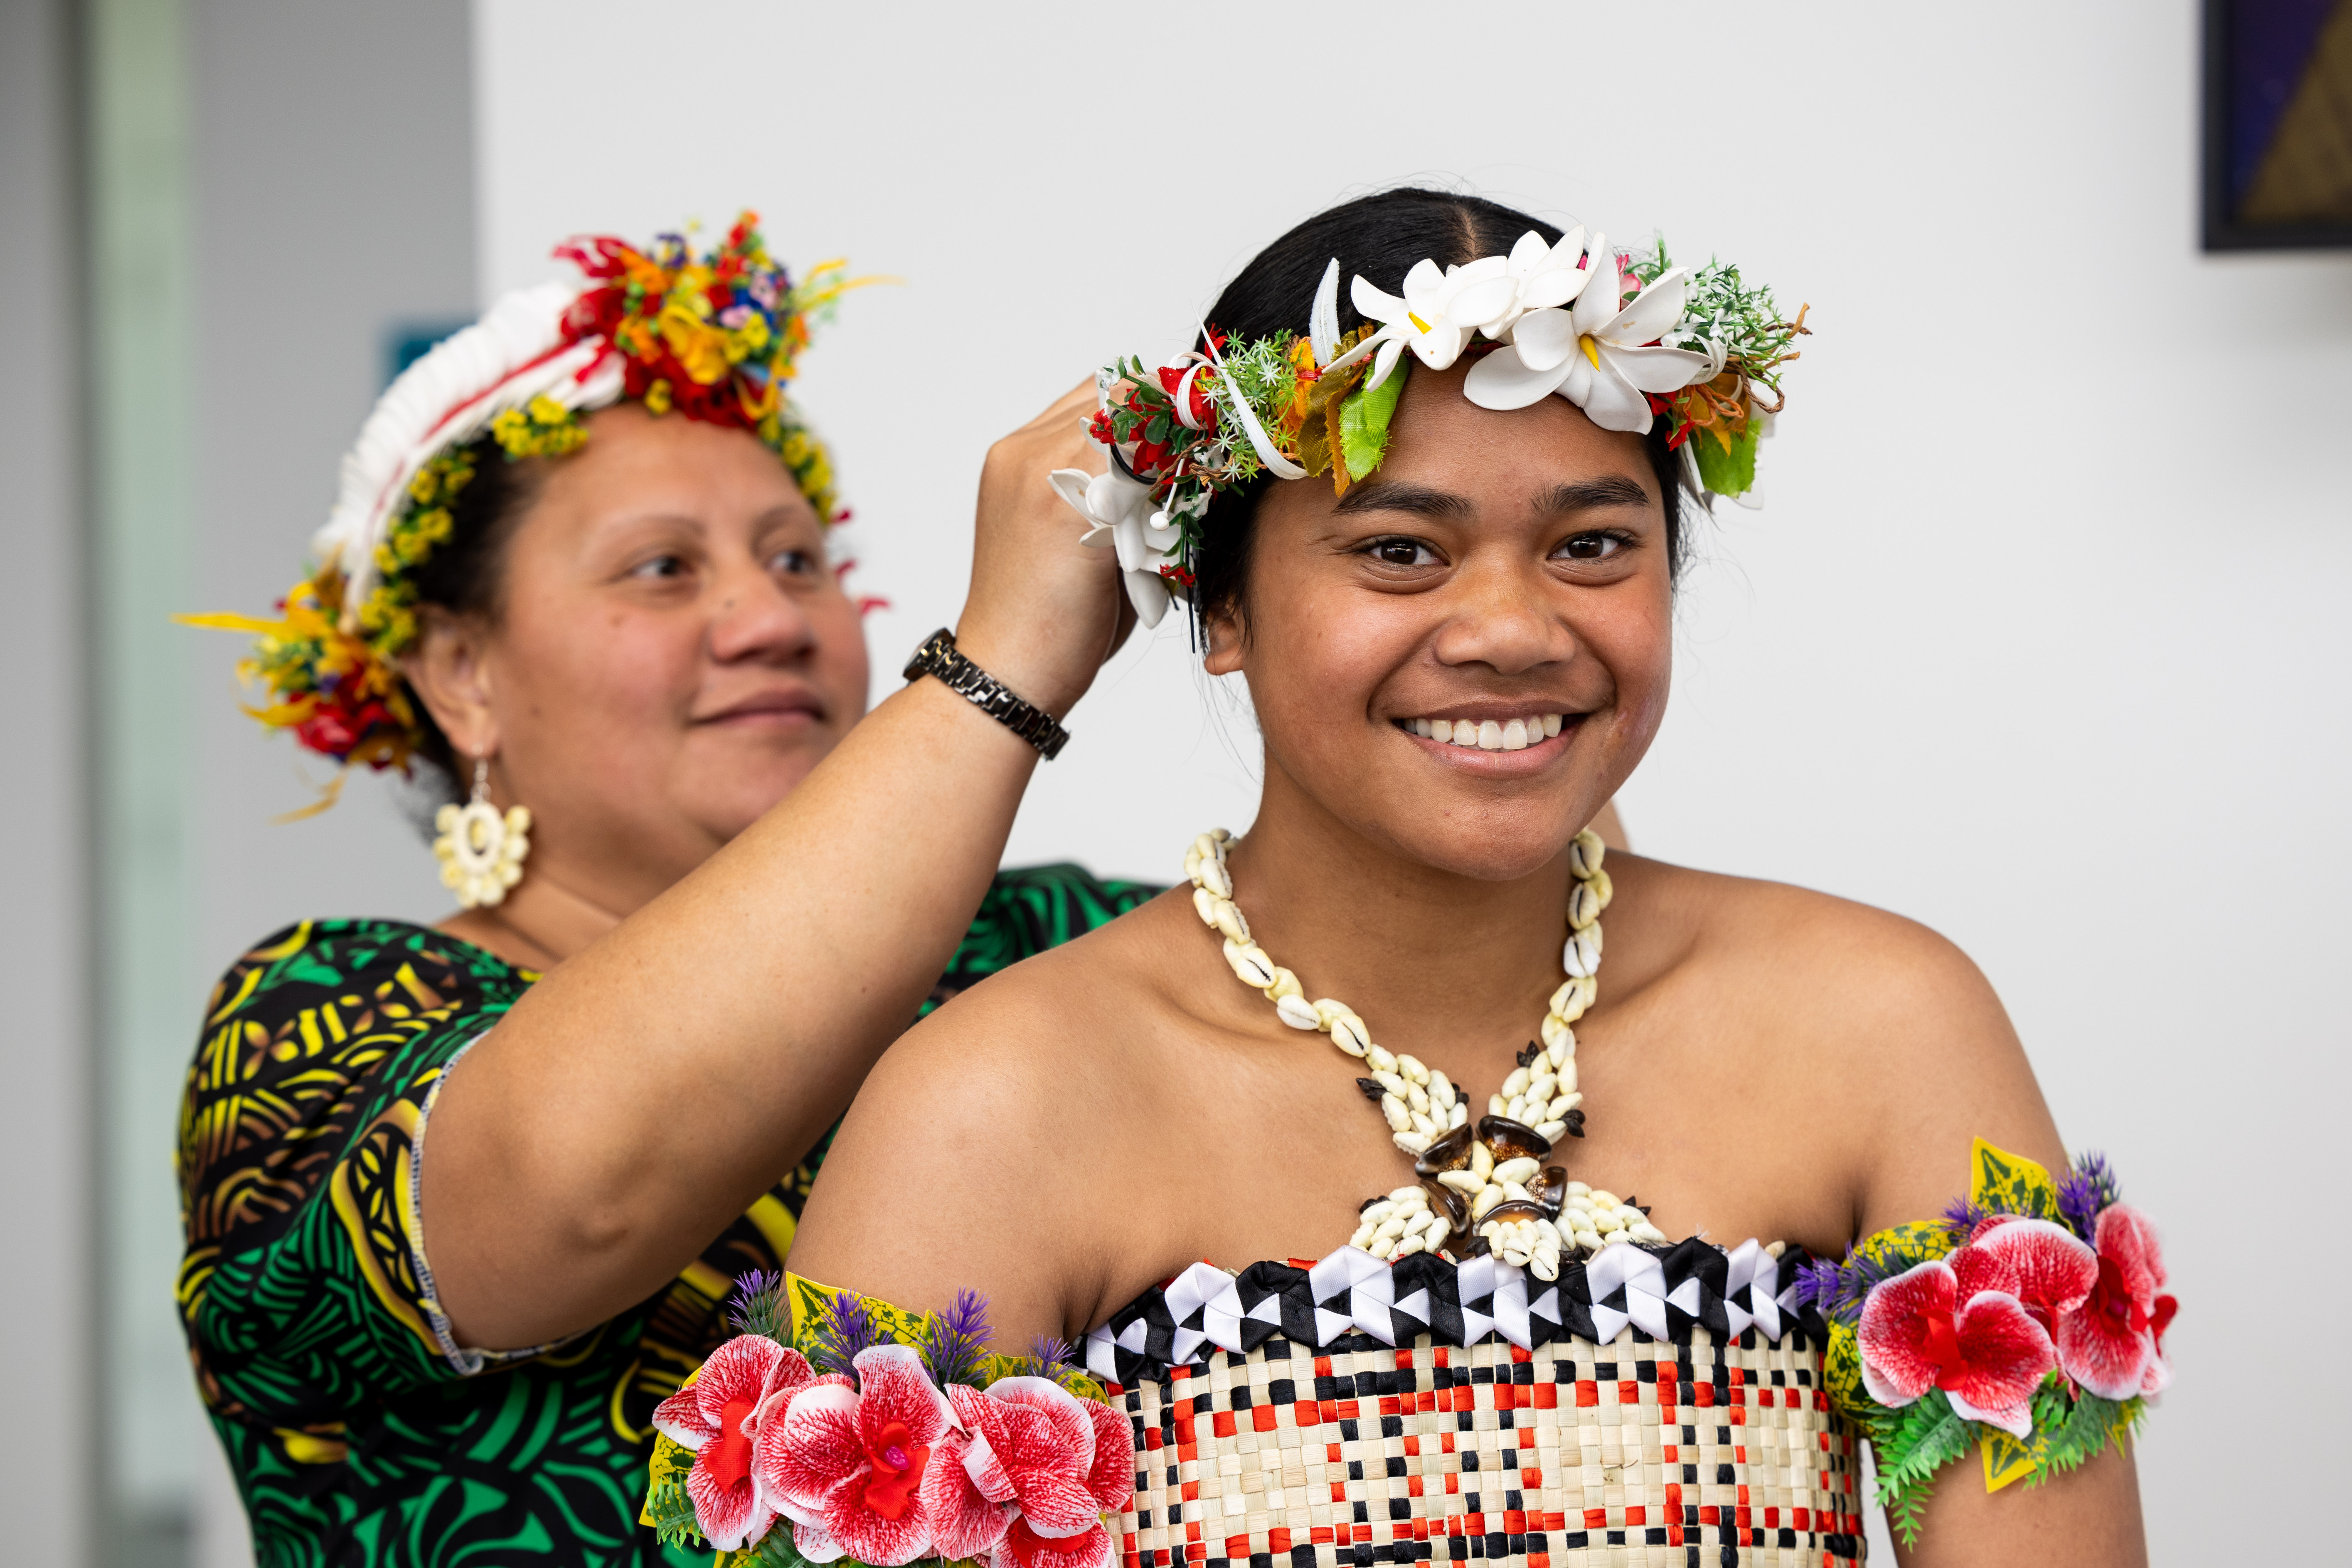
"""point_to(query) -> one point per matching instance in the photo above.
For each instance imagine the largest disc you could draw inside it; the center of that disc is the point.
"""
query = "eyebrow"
(1383, 495)
(1593, 495)
(1583, 495)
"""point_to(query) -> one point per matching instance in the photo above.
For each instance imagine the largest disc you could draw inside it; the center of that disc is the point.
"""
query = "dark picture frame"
(2249, 47)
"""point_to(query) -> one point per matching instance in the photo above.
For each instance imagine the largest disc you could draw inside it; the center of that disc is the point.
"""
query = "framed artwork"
(2277, 136)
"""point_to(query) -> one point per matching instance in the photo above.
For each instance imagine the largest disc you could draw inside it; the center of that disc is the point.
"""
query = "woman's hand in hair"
(1044, 611)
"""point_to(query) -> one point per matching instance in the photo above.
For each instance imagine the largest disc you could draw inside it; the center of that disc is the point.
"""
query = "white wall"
(2042, 639)
(45, 1159)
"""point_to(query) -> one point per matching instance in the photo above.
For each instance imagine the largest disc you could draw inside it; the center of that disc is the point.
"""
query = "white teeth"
(1489, 735)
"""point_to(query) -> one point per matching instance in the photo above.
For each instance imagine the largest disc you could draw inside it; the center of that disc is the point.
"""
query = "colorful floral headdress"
(712, 337)
(1701, 350)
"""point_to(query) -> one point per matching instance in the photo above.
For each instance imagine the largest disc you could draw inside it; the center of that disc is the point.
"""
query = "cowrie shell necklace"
(1486, 1182)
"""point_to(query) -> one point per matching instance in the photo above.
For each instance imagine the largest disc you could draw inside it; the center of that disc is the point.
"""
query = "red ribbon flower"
(1963, 1324)
(859, 1472)
(714, 1419)
(1060, 1461)
(2113, 1345)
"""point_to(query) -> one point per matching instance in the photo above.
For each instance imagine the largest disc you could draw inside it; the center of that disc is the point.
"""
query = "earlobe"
(449, 673)
(1225, 638)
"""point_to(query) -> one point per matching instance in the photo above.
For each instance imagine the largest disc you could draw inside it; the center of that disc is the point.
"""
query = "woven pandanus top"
(1652, 1406)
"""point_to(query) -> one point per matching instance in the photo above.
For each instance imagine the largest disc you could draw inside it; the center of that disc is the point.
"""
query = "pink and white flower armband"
(2029, 1321)
(834, 1428)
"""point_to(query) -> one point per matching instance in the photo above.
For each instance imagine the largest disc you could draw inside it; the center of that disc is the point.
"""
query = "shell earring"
(482, 852)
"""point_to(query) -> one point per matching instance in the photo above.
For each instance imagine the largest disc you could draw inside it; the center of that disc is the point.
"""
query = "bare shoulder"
(1900, 1039)
(977, 1125)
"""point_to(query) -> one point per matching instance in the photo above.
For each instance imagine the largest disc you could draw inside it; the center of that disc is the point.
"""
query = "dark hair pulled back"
(465, 576)
(1381, 236)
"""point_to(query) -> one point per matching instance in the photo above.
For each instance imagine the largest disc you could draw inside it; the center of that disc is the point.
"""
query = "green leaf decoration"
(1731, 473)
(1364, 424)
(1911, 1445)
(669, 1511)
(774, 1550)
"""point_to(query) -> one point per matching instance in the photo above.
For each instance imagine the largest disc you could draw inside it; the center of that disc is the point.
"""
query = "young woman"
(1458, 648)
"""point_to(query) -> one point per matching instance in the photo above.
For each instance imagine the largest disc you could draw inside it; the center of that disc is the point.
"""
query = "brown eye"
(1592, 547)
(1403, 553)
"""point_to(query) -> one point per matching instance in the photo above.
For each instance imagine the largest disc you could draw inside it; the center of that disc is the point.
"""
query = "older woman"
(579, 563)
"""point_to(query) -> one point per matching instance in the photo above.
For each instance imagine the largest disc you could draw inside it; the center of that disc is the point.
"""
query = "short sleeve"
(302, 1288)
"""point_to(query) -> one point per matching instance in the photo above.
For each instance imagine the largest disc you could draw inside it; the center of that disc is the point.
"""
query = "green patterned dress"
(360, 1433)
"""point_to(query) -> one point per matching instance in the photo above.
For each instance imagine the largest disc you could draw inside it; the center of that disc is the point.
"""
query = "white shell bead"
(1204, 904)
(1519, 1169)
(1212, 875)
(1517, 1084)
(1482, 1161)
(1458, 1115)
(1585, 853)
(1411, 1197)
(1347, 1034)
(1250, 963)
(1295, 1012)
(1467, 1183)
(1382, 1060)
(1399, 1119)
(1551, 1131)
(1412, 1144)
(1284, 984)
(1440, 1090)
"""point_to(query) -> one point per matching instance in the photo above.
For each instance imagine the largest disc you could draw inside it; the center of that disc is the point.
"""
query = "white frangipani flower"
(1542, 277)
(1426, 319)
(1598, 356)
(1120, 510)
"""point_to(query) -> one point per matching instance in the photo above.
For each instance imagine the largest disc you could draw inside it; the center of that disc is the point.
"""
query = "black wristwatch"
(938, 656)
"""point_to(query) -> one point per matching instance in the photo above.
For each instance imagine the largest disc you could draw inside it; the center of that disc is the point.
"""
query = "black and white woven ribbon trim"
(1664, 1292)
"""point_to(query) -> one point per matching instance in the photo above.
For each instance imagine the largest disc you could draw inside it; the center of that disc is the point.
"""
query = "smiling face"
(673, 653)
(1504, 575)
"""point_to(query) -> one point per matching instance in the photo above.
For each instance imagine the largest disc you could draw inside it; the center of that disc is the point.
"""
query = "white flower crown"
(1697, 348)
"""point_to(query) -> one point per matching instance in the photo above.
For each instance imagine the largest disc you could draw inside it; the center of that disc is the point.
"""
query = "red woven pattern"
(1631, 1453)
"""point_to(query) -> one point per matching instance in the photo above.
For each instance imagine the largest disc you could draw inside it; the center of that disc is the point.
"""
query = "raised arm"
(644, 1093)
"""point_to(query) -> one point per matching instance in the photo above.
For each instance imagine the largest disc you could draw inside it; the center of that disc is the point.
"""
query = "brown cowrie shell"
(1451, 1153)
(1507, 1139)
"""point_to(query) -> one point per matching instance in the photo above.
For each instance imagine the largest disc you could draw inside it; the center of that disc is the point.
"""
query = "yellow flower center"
(1591, 350)
(1418, 324)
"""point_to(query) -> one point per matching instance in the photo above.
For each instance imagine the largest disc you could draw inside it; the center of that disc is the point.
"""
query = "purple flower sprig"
(956, 1340)
(1961, 1217)
(2090, 1188)
(845, 1328)
(1050, 1357)
(758, 1306)
(1837, 1290)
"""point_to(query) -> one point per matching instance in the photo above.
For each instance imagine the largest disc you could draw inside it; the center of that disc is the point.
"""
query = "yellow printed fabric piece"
(2011, 1183)
(2006, 1460)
